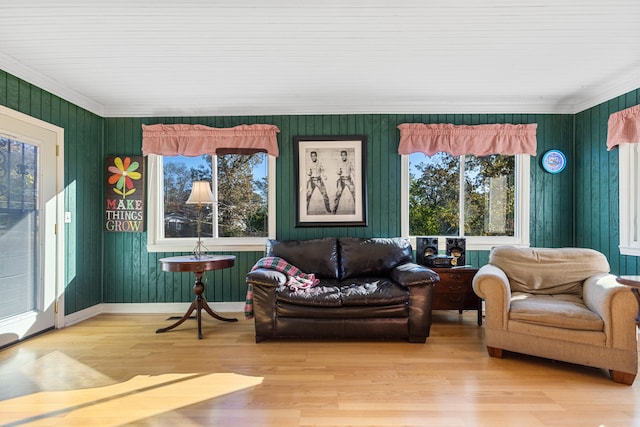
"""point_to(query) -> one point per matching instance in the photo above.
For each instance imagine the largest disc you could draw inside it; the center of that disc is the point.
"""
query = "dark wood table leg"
(214, 314)
(181, 321)
(198, 304)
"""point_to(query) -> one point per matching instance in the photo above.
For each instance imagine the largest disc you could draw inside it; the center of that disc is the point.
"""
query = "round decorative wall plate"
(554, 161)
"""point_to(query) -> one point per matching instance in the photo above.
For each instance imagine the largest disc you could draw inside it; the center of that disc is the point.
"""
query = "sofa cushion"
(362, 291)
(324, 295)
(318, 256)
(372, 257)
(548, 270)
(372, 291)
(561, 311)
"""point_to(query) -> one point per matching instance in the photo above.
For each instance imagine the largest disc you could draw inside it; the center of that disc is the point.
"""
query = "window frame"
(481, 243)
(156, 242)
(629, 199)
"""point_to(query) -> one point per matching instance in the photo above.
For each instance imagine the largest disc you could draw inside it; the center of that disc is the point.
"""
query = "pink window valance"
(479, 140)
(624, 126)
(195, 140)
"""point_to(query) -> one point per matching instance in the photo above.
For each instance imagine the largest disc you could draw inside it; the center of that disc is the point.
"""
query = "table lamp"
(200, 195)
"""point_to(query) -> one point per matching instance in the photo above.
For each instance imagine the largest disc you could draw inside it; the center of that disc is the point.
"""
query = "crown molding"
(323, 109)
(306, 107)
(621, 86)
(29, 75)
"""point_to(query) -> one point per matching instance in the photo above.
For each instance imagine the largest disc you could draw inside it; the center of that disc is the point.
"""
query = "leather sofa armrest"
(419, 280)
(266, 277)
(265, 283)
(617, 307)
(491, 284)
(411, 274)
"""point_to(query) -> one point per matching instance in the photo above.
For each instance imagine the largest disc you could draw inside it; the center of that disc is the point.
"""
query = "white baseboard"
(148, 308)
(173, 307)
(81, 315)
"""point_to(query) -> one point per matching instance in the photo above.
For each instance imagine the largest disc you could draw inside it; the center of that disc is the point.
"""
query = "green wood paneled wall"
(83, 183)
(596, 189)
(131, 274)
(116, 268)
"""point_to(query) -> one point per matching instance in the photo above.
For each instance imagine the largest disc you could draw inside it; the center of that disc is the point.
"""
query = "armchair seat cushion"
(560, 311)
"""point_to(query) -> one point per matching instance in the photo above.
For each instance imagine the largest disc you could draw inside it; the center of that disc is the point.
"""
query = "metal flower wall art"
(124, 172)
(124, 193)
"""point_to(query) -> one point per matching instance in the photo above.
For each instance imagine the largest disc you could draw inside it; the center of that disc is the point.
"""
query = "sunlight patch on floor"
(138, 398)
(56, 371)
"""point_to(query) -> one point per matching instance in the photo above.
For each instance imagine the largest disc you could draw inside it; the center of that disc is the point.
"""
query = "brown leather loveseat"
(368, 288)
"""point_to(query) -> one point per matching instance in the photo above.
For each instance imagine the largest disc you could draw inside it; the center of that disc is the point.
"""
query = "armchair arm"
(411, 274)
(616, 305)
(491, 284)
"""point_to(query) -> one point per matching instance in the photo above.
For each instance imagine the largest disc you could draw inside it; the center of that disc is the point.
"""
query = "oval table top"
(631, 281)
(191, 263)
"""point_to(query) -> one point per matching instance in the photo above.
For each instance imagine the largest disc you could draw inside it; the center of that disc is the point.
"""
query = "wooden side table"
(198, 266)
(634, 283)
(454, 291)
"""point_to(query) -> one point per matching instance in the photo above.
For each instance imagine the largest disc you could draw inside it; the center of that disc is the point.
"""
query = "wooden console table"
(190, 263)
(454, 291)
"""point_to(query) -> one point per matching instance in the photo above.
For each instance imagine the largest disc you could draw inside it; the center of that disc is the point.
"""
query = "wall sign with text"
(124, 194)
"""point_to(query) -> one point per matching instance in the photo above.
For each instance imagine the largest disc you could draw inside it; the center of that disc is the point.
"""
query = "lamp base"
(198, 252)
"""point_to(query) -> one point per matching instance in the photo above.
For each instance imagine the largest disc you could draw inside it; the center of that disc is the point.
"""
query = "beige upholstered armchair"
(560, 304)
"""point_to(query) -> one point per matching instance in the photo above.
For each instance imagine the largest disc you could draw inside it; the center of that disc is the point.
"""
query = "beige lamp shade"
(200, 194)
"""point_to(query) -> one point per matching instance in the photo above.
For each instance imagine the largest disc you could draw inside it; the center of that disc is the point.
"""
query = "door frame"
(59, 318)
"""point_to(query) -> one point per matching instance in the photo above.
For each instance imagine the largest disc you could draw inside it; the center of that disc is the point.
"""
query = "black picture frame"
(332, 190)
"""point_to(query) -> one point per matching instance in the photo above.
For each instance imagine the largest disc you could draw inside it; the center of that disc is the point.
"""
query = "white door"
(28, 218)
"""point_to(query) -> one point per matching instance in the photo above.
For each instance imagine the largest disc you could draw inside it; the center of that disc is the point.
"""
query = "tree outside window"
(462, 195)
(239, 183)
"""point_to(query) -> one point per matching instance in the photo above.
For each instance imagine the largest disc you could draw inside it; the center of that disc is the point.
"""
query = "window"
(623, 130)
(484, 199)
(243, 217)
(629, 162)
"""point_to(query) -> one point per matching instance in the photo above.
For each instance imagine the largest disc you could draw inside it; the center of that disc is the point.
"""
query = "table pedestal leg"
(198, 304)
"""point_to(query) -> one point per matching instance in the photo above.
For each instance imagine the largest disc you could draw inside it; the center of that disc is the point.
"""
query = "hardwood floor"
(114, 370)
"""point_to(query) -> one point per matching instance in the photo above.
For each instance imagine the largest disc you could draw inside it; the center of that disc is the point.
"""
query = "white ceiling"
(266, 57)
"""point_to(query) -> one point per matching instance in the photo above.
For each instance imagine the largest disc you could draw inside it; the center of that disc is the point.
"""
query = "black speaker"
(425, 246)
(456, 247)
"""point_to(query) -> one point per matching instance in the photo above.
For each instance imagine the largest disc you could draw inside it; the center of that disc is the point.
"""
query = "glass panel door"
(29, 211)
(19, 213)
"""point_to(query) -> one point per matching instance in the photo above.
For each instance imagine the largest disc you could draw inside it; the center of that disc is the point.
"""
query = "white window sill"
(212, 245)
(630, 250)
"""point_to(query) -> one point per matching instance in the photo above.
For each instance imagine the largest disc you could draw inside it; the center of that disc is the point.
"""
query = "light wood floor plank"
(114, 370)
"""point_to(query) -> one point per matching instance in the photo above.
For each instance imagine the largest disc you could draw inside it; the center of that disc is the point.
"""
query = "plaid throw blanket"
(296, 279)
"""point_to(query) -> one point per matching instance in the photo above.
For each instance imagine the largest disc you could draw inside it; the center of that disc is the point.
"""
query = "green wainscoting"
(83, 157)
(596, 188)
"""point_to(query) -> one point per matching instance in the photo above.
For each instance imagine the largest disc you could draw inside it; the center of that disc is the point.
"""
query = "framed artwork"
(330, 180)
